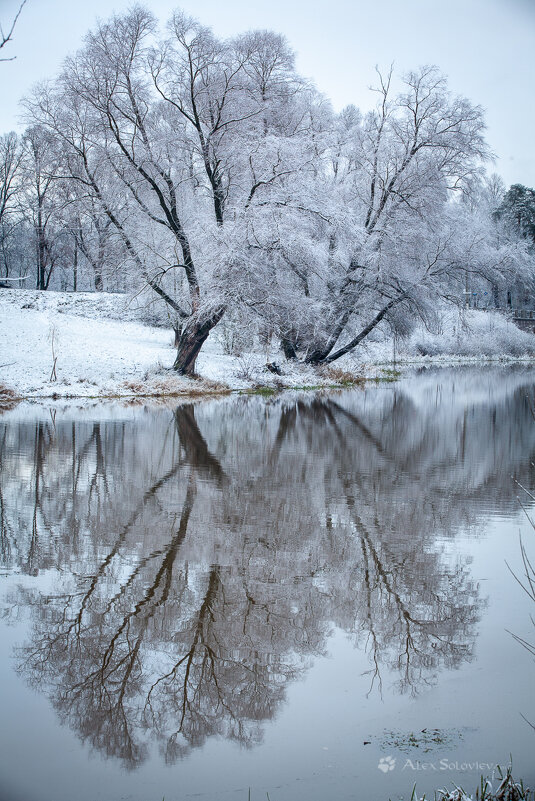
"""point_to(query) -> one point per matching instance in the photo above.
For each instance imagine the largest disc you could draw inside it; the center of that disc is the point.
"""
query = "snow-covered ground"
(94, 354)
(100, 350)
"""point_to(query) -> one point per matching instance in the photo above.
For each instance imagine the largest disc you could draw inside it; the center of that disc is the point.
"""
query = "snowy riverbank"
(99, 349)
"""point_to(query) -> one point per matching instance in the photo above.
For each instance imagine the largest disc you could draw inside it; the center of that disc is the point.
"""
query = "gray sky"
(485, 47)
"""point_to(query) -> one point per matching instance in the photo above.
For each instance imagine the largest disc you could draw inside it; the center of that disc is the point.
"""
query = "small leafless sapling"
(52, 337)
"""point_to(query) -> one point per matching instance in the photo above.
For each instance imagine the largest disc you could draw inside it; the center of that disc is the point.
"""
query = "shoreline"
(200, 387)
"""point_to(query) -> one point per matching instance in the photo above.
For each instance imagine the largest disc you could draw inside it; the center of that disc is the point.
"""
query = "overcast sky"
(485, 47)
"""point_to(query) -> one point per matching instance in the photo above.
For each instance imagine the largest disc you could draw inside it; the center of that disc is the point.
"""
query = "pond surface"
(305, 596)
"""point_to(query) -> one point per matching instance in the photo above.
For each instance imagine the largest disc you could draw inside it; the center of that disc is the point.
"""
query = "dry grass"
(339, 376)
(173, 386)
(8, 398)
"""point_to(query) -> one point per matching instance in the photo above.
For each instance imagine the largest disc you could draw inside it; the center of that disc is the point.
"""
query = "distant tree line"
(210, 174)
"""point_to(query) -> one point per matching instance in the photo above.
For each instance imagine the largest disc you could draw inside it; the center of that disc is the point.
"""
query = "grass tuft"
(341, 377)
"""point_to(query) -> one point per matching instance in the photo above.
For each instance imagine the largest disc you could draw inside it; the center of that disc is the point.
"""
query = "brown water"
(306, 596)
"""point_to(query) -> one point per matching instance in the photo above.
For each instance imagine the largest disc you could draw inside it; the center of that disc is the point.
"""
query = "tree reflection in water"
(205, 554)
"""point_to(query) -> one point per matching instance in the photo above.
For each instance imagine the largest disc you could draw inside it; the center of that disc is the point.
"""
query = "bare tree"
(10, 162)
(10, 189)
(44, 203)
(5, 38)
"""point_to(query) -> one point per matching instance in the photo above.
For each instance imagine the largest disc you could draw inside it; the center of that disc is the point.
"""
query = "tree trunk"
(317, 355)
(75, 268)
(41, 255)
(289, 348)
(193, 336)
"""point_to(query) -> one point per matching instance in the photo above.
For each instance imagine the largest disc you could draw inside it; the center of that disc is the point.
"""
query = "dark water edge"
(241, 593)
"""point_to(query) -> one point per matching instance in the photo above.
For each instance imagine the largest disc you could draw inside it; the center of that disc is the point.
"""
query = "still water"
(306, 596)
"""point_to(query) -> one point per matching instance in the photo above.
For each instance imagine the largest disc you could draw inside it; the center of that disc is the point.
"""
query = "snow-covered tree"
(375, 229)
(174, 140)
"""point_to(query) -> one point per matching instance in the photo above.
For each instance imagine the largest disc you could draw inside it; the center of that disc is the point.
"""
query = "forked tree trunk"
(325, 356)
(193, 336)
